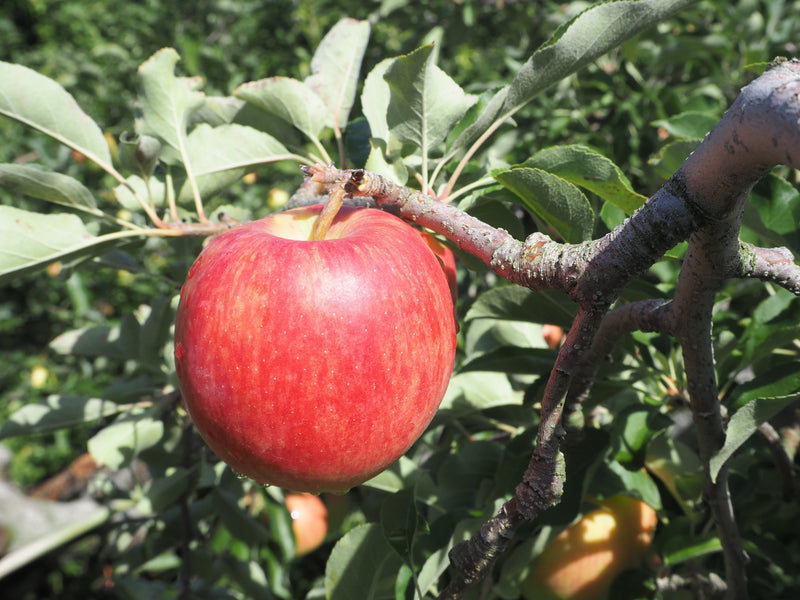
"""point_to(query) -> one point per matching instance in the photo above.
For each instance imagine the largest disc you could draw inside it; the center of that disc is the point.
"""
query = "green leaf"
(335, 69)
(288, 99)
(362, 565)
(41, 103)
(671, 156)
(462, 473)
(401, 521)
(131, 433)
(679, 469)
(240, 524)
(399, 475)
(680, 542)
(633, 429)
(425, 102)
(46, 185)
(778, 382)
(512, 359)
(590, 170)
(393, 169)
(583, 39)
(30, 241)
(375, 99)
(580, 41)
(744, 423)
(221, 155)
(688, 125)
(516, 303)
(165, 102)
(554, 200)
(35, 527)
(154, 190)
(475, 391)
(612, 478)
(57, 412)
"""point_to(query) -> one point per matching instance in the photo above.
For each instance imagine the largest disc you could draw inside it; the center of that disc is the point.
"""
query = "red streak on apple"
(314, 365)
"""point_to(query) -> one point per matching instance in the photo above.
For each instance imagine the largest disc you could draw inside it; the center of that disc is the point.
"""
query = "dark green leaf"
(746, 421)
(590, 170)
(45, 185)
(509, 359)
(634, 427)
(553, 199)
(362, 565)
(591, 34)
(241, 525)
(516, 303)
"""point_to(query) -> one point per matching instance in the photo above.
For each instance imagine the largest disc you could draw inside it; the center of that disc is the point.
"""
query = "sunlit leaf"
(57, 412)
(30, 241)
(165, 102)
(688, 125)
(221, 155)
(477, 390)
(154, 191)
(335, 69)
(425, 102)
(117, 444)
(41, 103)
(375, 100)
(288, 99)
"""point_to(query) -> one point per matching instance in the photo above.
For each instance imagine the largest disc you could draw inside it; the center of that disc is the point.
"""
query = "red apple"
(583, 560)
(309, 521)
(447, 261)
(314, 365)
(552, 334)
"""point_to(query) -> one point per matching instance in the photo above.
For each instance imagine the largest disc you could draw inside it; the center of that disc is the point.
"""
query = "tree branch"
(702, 202)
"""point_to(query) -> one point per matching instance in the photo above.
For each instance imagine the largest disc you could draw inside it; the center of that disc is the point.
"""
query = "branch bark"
(702, 202)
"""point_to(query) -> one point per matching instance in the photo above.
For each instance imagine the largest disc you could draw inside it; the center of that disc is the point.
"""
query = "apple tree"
(610, 343)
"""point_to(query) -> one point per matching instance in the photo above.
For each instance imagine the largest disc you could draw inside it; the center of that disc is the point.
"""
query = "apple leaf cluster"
(171, 519)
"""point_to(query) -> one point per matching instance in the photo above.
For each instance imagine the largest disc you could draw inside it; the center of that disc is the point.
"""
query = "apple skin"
(309, 521)
(583, 560)
(552, 334)
(314, 365)
(447, 261)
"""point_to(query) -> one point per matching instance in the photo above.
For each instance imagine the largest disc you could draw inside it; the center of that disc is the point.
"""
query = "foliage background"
(624, 106)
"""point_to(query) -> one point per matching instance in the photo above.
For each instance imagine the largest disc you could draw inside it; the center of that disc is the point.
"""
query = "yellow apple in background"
(583, 560)
(309, 521)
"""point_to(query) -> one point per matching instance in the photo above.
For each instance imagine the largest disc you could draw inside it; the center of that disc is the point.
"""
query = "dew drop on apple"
(240, 476)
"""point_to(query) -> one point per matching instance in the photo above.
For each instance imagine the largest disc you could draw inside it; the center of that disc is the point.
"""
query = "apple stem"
(329, 212)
